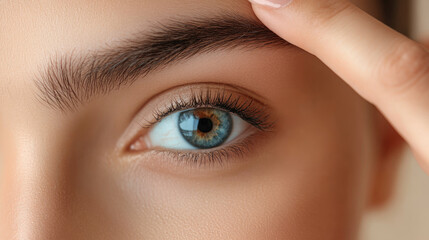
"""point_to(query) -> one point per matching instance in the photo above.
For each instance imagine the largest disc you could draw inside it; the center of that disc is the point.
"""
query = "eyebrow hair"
(71, 80)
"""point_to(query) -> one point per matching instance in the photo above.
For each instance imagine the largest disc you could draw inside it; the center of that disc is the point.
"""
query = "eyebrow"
(71, 80)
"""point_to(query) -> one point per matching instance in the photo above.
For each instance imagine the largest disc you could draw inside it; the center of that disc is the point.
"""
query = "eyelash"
(246, 109)
(211, 158)
(256, 114)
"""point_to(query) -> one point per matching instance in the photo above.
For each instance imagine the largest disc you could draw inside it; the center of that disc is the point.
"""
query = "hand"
(385, 67)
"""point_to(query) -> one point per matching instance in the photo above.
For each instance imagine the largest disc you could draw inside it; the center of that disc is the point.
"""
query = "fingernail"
(272, 3)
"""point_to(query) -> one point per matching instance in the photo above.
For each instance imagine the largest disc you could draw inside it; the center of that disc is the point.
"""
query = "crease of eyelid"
(72, 79)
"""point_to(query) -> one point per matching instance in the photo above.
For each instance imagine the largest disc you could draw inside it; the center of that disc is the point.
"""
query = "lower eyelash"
(212, 157)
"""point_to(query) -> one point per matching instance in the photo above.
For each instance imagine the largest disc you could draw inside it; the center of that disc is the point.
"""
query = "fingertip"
(272, 3)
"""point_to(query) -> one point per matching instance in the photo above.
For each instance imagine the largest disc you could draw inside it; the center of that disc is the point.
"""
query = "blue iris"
(205, 127)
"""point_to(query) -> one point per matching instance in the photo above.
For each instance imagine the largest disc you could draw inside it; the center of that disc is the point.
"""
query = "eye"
(198, 125)
(198, 128)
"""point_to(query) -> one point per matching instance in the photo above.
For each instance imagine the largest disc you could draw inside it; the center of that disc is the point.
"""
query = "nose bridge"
(37, 179)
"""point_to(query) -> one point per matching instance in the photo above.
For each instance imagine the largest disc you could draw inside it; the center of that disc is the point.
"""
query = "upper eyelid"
(255, 113)
(141, 119)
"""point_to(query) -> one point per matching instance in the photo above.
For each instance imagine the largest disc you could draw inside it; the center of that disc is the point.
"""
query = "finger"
(382, 65)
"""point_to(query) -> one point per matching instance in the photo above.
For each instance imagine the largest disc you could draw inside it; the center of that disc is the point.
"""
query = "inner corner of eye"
(140, 144)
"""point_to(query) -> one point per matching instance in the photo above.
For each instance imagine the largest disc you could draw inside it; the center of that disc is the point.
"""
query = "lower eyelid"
(195, 164)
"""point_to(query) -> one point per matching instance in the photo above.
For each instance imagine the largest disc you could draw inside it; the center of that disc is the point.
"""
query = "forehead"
(38, 26)
(48, 24)
(31, 31)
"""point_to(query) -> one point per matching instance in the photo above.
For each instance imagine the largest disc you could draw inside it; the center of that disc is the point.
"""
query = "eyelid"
(249, 109)
(189, 96)
(158, 105)
(201, 164)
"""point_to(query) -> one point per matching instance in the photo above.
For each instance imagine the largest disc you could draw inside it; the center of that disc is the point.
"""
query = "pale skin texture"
(331, 158)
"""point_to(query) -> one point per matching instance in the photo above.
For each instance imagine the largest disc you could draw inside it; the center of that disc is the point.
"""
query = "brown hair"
(397, 14)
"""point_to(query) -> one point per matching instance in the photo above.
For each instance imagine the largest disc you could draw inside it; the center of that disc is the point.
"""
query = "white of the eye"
(166, 133)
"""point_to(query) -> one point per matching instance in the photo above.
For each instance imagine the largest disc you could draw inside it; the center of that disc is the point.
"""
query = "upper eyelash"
(244, 108)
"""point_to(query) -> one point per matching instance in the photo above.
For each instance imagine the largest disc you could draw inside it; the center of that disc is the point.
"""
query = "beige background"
(421, 19)
(407, 216)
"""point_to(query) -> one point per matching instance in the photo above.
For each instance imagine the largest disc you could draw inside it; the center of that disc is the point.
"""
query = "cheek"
(262, 202)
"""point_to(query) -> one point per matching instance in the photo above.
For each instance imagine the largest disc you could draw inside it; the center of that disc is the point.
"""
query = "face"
(173, 120)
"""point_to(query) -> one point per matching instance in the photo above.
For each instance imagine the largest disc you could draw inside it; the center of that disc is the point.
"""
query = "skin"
(63, 176)
(396, 72)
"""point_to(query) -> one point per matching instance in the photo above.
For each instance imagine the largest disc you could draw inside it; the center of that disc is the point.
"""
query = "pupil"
(205, 125)
(205, 128)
